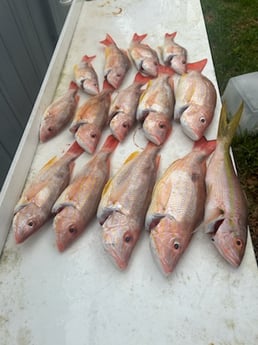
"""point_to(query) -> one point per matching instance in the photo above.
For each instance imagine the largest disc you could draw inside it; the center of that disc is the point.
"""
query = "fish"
(86, 77)
(124, 202)
(195, 102)
(226, 211)
(117, 62)
(156, 107)
(90, 119)
(58, 114)
(122, 112)
(177, 206)
(78, 203)
(173, 54)
(34, 207)
(144, 57)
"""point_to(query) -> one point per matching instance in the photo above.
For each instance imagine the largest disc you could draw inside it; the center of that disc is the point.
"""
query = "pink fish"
(117, 62)
(177, 206)
(156, 108)
(59, 113)
(122, 112)
(144, 57)
(85, 76)
(34, 206)
(226, 206)
(174, 55)
(90, 119)
(78, 203)
(124, 202)
(195, 102)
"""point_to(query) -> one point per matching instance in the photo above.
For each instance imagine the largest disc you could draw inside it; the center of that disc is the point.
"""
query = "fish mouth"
(114, 257)
(188, 130)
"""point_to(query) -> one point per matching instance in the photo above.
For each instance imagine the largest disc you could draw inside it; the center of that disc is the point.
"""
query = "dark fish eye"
(72, 230)
(93, 135)
(202, 119)
(30, 223)
(239, 242)
(176, 245)
(161, 125)
(50, 129)
(127, 237)
(125, 125)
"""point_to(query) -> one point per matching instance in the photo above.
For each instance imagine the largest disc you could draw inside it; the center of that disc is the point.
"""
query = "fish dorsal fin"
(49, 163)
(131, 156)
(106, 187)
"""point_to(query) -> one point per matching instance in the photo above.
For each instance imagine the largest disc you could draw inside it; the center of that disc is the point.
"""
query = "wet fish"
(34, 206)
(156, 108)
(173, 54)
(85, 76)
(177, 206)
(58, 114)
(124, 202)
(117, 62)
(90, 119)
(226, 206)
(195, 102)
(122, 112)
(144, 57)
(78, 203)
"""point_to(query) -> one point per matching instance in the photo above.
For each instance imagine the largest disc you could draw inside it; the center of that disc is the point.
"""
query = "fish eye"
(176, 245)
(239, 243)
(50, 129)
(72, 230)
(161, 125)
(202, 119)
(127, 237)
(125, 125)
(30, 223)
(118, 74)
(93, 135)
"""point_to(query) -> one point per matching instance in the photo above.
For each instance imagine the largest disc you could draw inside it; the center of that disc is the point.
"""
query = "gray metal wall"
(29, 30)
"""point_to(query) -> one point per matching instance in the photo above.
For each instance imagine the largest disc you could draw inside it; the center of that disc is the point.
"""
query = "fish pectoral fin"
(214, 221)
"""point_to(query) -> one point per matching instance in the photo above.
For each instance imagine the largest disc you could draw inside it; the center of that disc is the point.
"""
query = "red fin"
(107, 86)
(205, 145)
(165, 70)
(139, 38)
(75, 149)
(197, 66)
(73, 86)
(88, 59)
(140, 79)
(172, 36)
(108, 41)
(110, 144)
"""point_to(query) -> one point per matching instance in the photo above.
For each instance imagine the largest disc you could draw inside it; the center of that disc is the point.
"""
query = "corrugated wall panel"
(29, 30)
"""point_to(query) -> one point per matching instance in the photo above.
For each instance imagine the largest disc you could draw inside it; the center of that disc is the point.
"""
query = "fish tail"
(138, 38)
(172, 36)
(227, 129)
(197, 66)
(110, 144)
(108, 41)
(208, 146)
(88, 59)
(75, 150)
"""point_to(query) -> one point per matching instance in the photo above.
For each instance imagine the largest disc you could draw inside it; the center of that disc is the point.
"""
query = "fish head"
(120, 125)
(178, 63)
(194, 121)
(149, 67)
(116, 75)
(68, 225)
(156, 127)
(229, 237)
(48, 129)
(119, 238)
(90, 86)
(168, 241)
(87, 136)
(27, 221)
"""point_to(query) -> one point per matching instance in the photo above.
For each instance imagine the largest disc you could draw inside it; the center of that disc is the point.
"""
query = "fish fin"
(88, 59)
(172, 36)
(107, 86)
(131, 156)
(50, 162)
(197, 66)
(110, 144)
(108, 41)
(227, 129)
(165, 70)
(75, 149)
(73, 85)
(106, 187)
(139, 38)
(140, 79)
(205, 145)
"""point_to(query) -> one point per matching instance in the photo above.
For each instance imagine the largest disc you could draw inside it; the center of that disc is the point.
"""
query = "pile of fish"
(200, 188)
